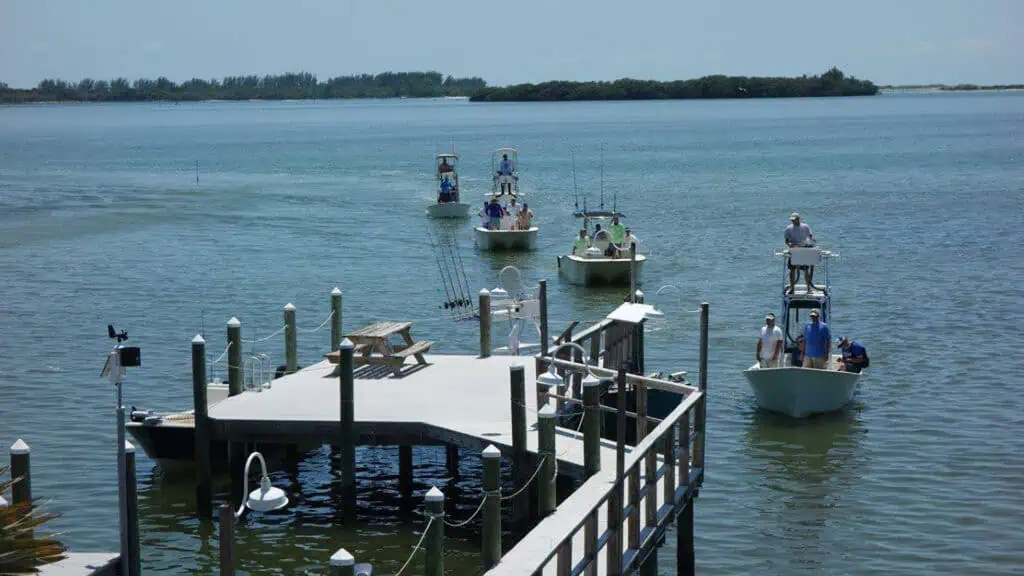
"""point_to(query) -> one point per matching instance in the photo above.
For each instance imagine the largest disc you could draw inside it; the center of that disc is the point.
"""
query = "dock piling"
(134, 551)
(335, 319)
(434, 555)
(343, 563)
(491, 553)
(201, 439)
(21, 492)
(485, 323)
(685, 561)
(234, 357)
(700, 418)
(451, 460)
(615, 507)
(227, 540)
(543, 298)
(546, 453)
(291, 346)
(405, 475)
(592, 426)
(347, 410)
(520, 504)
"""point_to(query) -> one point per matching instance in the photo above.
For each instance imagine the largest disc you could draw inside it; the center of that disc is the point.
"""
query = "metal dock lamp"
(263, 499)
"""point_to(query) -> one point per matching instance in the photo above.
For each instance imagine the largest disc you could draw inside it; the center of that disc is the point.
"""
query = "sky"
(886, 41)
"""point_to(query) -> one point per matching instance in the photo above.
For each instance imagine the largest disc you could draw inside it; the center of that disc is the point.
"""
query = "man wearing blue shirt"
(506, 168)
(855, 356)
(817, 343)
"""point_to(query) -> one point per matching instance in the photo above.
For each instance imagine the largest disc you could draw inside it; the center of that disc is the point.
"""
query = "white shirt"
(768, 340)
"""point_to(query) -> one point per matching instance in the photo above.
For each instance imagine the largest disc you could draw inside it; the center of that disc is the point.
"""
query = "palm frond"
(22, 551)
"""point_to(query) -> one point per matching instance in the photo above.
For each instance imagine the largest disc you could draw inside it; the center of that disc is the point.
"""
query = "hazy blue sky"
(890, 41)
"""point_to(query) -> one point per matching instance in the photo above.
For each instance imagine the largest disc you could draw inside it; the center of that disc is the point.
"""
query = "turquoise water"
(102, 221)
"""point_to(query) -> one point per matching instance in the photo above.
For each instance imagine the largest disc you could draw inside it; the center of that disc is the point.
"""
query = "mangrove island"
(831, 83)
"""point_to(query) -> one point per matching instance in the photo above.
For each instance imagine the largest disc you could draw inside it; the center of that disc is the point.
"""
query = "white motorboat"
(507, 232)
(795, 390)
(448, 204)
(596, 266)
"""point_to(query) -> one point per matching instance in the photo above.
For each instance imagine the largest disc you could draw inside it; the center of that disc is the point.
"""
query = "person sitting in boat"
(579, 247)
(444, 166)
(799, 235)
(817, 343)
(855, 356)
(525, 217)
(769, 344)
(505, 168)
(494, 214)
(796, 358)
(446, 190)
(618, 232)
(629, 242)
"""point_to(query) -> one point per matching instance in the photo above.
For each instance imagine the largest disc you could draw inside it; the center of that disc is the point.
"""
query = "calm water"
(102, 221)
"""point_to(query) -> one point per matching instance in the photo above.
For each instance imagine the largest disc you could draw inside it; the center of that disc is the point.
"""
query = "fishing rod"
(575, 189)
(465, 280)
(453, 249)
(602, 176)
(440, 271)
(459, 292)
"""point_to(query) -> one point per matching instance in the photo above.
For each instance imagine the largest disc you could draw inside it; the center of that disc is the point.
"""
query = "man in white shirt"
(769, 345)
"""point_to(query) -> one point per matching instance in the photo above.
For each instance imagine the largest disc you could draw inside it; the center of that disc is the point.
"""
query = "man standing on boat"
(506, 168)
(799, 235)
(579, 247)
(618, 232)
(769, 345)
(525, 217)
(444, 166)
(817, 343)
(494, 214)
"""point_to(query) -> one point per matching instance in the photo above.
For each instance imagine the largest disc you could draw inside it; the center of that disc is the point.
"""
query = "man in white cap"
(769, 345)
(799, 235)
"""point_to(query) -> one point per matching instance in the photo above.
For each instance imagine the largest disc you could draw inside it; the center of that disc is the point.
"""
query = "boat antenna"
(602, 176)
(575, 190)
(197, 174)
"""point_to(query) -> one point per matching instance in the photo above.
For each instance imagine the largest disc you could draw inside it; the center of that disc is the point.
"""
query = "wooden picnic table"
(372, 346)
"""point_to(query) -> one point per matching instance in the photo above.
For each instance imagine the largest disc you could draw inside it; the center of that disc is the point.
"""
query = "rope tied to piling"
(318, 328)
(527, 484)
(418, 544)
(223, 354)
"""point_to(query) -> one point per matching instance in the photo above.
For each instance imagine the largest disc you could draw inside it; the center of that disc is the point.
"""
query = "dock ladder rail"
(257, 372)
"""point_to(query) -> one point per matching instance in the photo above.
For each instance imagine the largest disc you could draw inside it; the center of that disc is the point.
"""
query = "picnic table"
(372, 346)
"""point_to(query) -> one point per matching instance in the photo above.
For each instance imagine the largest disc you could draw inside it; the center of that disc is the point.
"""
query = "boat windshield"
(447, 177)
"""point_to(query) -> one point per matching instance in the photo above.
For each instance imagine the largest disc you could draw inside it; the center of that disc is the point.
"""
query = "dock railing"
(671, 454)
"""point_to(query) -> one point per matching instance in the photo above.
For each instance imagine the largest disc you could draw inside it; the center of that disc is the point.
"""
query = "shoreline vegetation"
(831, 83)
(950, 87)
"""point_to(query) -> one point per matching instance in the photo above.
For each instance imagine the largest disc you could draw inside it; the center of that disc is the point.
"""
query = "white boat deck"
(83, 564)
(462, 399)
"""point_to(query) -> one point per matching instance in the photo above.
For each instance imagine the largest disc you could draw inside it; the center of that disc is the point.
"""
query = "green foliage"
(300, 86)
(22, 550)
(831, 83)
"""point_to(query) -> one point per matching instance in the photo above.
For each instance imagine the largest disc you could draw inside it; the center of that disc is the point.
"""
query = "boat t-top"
(792, 389)
(446, 176)
(602, 250)
(507, 221)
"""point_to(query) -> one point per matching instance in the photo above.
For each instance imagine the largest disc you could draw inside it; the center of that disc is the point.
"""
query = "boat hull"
(448, 210)
(506, 239)
(599, 271)
(801, 392)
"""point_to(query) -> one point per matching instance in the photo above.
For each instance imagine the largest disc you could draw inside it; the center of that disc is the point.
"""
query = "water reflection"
(803, 469)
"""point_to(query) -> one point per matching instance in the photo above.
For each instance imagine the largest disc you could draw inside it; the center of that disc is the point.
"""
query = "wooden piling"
(434, 556)
(546, 454)
(343, 563)
(21, 472)
(234, 357)
(201, 438)
(650, 460)
(227, 540)
(615, 507)
(405, 475)
(335, 319)
(451, 460)
(485, 323)
(134, 551)
(685, 561)
(491, 553)
(543, 297)
(592, 427)
(700, 418)
(632, 270)
(291, 346)
(347, 438)
(520, 459)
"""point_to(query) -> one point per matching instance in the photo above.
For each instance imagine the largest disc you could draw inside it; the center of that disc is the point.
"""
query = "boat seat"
(601, 240)
(804, 256)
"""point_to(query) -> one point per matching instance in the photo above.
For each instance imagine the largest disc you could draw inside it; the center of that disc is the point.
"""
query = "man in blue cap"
(855, 356)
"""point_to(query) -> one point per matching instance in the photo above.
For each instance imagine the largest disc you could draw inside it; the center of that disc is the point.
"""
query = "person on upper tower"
(799, 235)
(505, 168)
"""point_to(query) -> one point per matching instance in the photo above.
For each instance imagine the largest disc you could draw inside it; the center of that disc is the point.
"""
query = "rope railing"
(417, 548)
(318, 328)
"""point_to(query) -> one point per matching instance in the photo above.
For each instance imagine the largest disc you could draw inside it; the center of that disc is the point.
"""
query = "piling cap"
(198, 340)
(346, 344)
(336, 292)
(434, 495)
(129, 448)
(546, 412)
(342, 558)
(639, 293)
(289, 307)
(491, 452)
(517, 367)
(234, 323)
(19, 447)
(484, 292)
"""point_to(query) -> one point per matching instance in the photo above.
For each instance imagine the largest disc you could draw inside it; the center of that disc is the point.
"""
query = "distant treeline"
(831, 83)
(955, 87)
(301, 86)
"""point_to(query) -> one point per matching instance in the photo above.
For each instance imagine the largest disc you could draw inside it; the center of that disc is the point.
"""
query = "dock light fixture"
(550, 378)
(265, 498)
(499, 293)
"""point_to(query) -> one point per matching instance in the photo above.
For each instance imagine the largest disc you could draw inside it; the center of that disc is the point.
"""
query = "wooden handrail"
(535, 550)
(653, 383)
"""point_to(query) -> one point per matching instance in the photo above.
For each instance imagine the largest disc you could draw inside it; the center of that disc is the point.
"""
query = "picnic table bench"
(372, 346)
